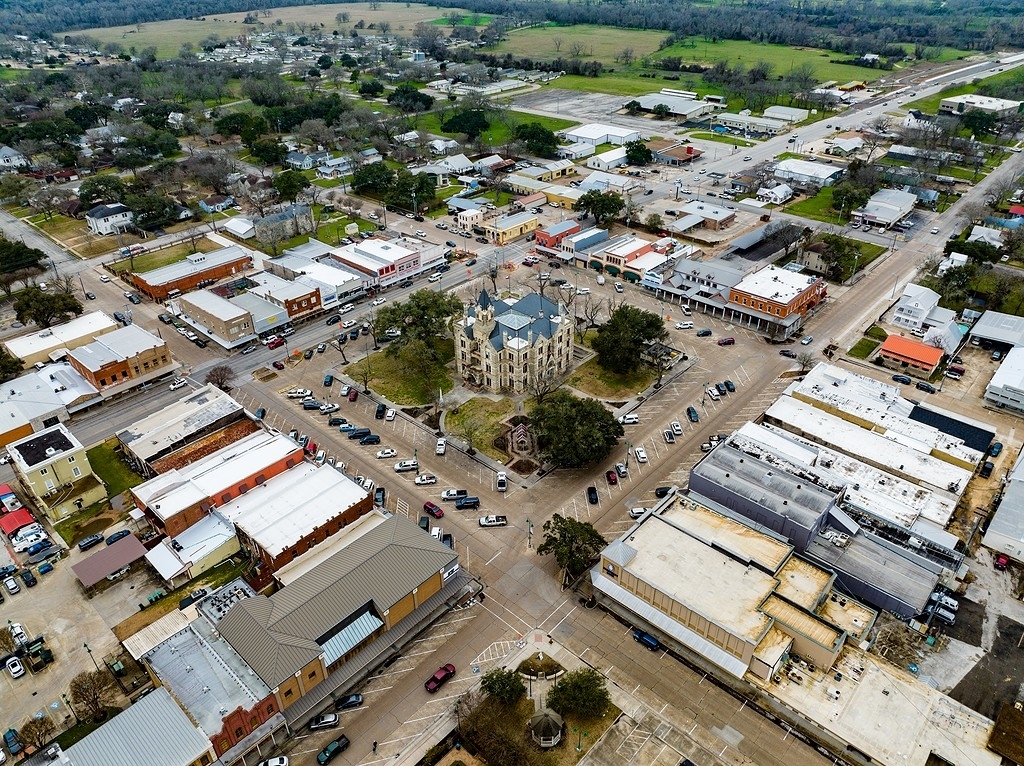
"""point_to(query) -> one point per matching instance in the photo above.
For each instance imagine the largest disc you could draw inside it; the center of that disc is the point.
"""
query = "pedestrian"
(482, 597)
(375, 746)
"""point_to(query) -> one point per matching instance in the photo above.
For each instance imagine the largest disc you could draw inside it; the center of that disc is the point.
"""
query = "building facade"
(196, 270)
(121, 356)
(511, 345)
(54, 469)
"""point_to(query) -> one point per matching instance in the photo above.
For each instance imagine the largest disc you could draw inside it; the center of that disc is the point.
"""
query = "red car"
(440, 678)
(1002, 561)
(612, 477)
(433, 510)
(278, 365)
(311, 448)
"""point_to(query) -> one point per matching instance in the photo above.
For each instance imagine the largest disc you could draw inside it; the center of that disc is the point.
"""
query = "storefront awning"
(629, 276)
(596, 265)
(612, 270)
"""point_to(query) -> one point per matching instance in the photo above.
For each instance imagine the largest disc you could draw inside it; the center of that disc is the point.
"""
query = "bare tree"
(577, 49)
(365, 373)
(64, 283)
(93, 691)
(806, 360)
(38, 731)
(558, 41)
(6, 642)
(384, 27)
(468, 430)
(626, 56)
(221, 376)
(545, 382)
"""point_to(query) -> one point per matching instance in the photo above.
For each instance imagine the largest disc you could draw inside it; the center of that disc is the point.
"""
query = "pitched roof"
(105, 211)
(896, 345)
(280, 634)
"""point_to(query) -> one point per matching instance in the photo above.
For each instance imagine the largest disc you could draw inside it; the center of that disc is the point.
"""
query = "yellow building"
(53, 467)
(510, 227)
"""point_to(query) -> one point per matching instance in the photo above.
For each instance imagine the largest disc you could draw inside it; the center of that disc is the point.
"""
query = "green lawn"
(722, 138)
(471, 19)
(930, 105)
(401, 382)
(593, 379)
(485, 415)
(863, 348)
(165, 257)
(817, 208)
(616, 84)
(108, 466)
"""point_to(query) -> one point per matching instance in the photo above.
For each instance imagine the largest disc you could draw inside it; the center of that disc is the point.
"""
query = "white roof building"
(985, 234)
(1006, 388)
(786, 113)
(287, 508)
(887, 206)
(1001, 107)
(613, 158)
(598, 133)
(53, 342)
(806, 172)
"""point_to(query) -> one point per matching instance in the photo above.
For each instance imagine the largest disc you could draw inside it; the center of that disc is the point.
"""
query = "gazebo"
(546, 727)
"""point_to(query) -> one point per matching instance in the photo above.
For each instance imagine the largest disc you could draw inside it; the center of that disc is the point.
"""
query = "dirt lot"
(996, 679)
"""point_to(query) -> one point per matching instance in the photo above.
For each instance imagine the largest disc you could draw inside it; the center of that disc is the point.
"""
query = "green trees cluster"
(539, 140)
(45, 309)
(602, 205)
(395, 188)
(408, 99)
(572, 431)
(471, 122)
(580, 692)
(574, 544)
(638, 153)
(621, 340)
(16, 255)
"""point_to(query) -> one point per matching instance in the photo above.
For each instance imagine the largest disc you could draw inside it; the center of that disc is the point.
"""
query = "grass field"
(818, 207)
(394, 377)
(165, 257)
(593, 379)
(485, 415)
(863, 348)
(599, 43)
(168, 36)
(930, 105)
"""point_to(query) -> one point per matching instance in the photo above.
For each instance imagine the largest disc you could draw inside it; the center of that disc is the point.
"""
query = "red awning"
(12, 522)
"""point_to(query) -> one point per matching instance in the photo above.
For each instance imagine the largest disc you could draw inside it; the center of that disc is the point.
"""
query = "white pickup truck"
(493, 521)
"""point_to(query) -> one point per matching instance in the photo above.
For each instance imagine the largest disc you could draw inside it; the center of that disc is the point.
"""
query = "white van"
(437, 533)
(713, 394)
(600, 279)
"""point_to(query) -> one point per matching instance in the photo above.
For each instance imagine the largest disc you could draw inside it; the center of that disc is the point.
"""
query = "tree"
(408, 99)
(370, 88)
(101, 189)
(422, 317)
(38, 731)
(573, 431)
(638, 153)
(621, 340)
(472, 122)
(633, 107)
(267, 151)
(7, 645)
(661, 111)
(504, 685)
(45, 309)
(602, 205)
(17, 256)
(221, 376)
(806, 360)
(654, 222)
(581, 692)
(289, 183)
(93, 691)
(538, 139)
(575, 544)
(375, 177)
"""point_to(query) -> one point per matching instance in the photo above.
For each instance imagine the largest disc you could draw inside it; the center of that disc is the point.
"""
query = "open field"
(168, 36)
(600, 43)
(165, 257)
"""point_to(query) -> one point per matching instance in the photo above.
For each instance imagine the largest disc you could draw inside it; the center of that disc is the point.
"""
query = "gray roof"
(194, 264)
(765, 484)
(106, 211)
(176, 741)
(1003, 328)
(517, 319)
(280, 634)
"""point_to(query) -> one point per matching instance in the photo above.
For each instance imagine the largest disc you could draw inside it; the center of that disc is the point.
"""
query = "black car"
(788, 353)
(354, 333)
(449, 243)
(418, 218)
(443, 268)
(334, 319)
(555, 264)
(333, 750)
(88, 542)
(482, 240)
(592, 495)
(471, 262)
(378, 496)
(90, 296)
(119, 317)
(406, 283)
(721, 389)
(337, 421)
(904, 379)
(691, 413)
(134, 299)
(309, 353)
(661, 492)
(28, 578)
(201, 343)
(924, 386)
(7, 571)
(119, 535)
(729, 386)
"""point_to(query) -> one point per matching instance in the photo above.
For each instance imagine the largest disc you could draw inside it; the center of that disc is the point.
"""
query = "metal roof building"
(176, 741)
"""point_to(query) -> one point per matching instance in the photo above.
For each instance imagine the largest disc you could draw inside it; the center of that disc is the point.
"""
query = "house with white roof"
(886, 207)
(609, 160)
(914, 306)
(598, 133)
(804, 172)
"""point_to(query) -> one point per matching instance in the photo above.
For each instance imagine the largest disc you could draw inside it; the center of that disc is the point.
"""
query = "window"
(239, 732)
(43, 471)
(76, 471)
(71, 459)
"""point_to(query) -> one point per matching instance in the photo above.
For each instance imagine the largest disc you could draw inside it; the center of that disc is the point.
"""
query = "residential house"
(776, 195)
(11, 158)
(914, 306)
(109, 219)
(334, 168)
(910, 356)
(216, 203)
(302, 161)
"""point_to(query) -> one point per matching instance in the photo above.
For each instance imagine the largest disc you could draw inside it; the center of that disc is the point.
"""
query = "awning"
(12, 522)
(629, 276)
(351, 636)
(596, 265)
(613, 271)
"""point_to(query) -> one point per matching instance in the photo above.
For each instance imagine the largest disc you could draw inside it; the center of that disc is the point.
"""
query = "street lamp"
(95, 664)
(68, 703)
(579, 739)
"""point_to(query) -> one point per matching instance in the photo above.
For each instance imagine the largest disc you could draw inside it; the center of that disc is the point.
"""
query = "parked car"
(641, 455)
(325, 721)
(621, 470)
(28, 578)
(704, 333)
(923, 385)
(424, 479)
(788, 353)
(904, 379)
(726, 341)
(333, 750)
(433, 509)
(349, 701)
(691, 413)
(440, 678)
(612, 477)
(807, 340)
(278, 365)
(88, 542)
(501, 481)
(15, 668)
(592, 495)
(119, 535)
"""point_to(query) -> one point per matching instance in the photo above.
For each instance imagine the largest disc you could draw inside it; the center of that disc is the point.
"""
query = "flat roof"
(266, 284)
(382, 251)
(888, 714)
(802, 582)
(705, 580)
(193, 264)
(560, 228)
(880, 406)
(293, 504)
(707, 210)
(152, 635)
(43, 446)
(178, 489)
(329, 272)
(767, 484)
(809, 169)
(889, 449)
(212, 304)
(173, 425)
(774, 284)
(804, 623)
(206, 675)
(1005, 328)
(69, 333)
(511, 221)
